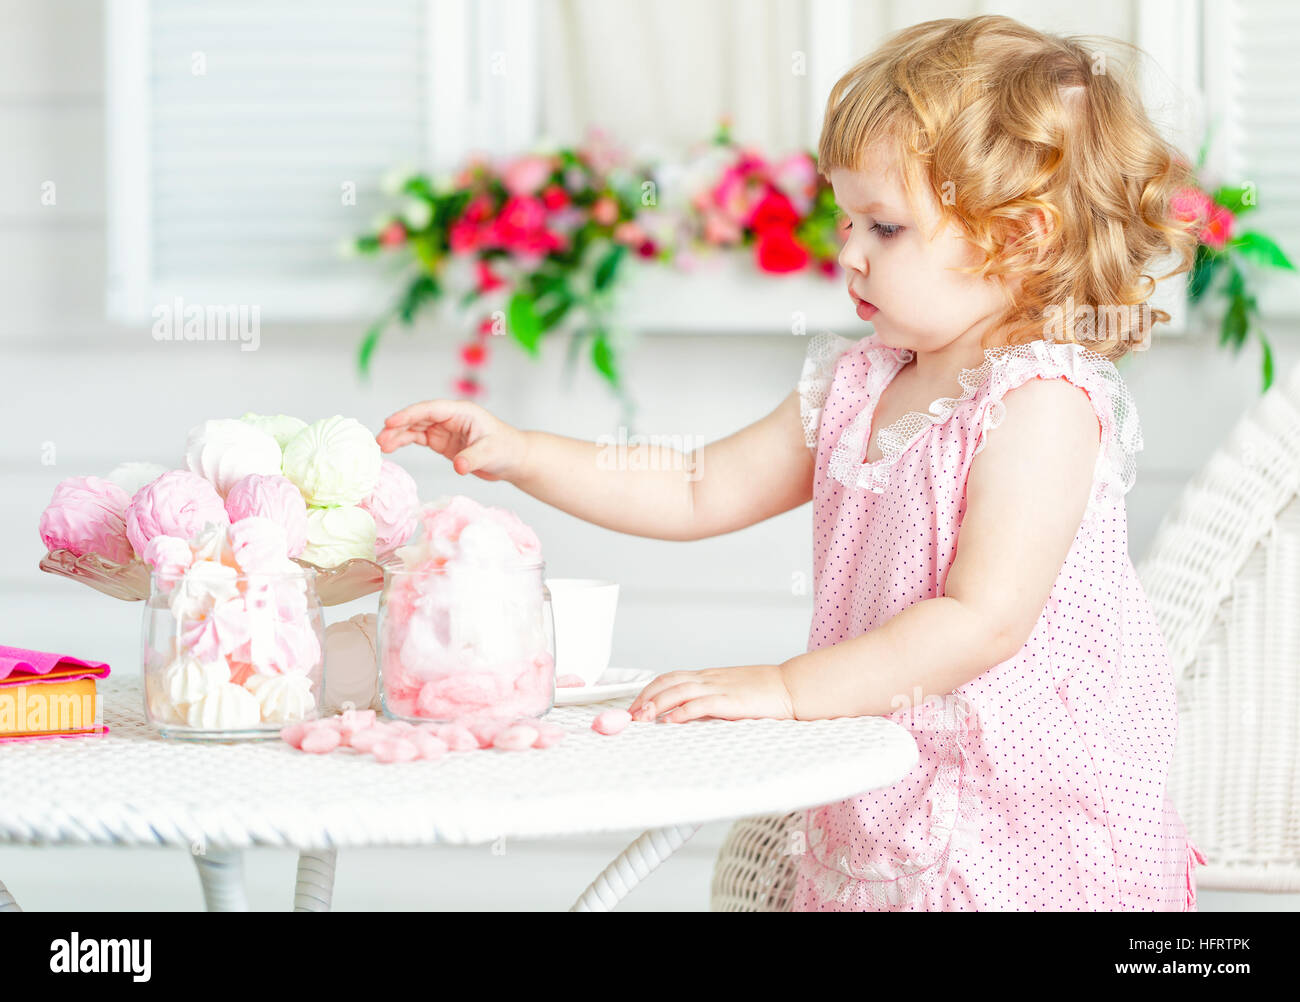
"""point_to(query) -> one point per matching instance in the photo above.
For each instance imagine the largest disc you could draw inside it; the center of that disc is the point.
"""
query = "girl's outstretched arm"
(1025, 498)
(654, 490)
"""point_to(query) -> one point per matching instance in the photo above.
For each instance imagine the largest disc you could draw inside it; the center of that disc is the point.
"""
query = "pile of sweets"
(463, 632)
(326, 484)
(402, 741)
(238, 645)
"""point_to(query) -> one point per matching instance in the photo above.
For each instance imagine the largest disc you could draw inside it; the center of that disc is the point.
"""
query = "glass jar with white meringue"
(461, 640)
(229, 654)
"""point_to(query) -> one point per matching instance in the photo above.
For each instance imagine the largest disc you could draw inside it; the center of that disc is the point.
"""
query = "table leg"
(7, 902)
(633, 865)
(221, 872)
(315, 887)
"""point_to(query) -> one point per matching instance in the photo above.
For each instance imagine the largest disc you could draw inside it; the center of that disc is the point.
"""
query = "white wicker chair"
(1223, 576)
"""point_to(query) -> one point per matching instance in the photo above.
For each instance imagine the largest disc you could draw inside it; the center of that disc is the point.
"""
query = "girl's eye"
(886, 230)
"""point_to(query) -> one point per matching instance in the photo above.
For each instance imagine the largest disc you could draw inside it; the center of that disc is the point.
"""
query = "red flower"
(394, 233)
(473, 354)
(555, 197)
(1218, 228)
(774, 209)
(467, 387)
(478, 210)
(648, 249)
(485, 327)
(829, 267)
(778, 251)
(464, 237)
(487, 278)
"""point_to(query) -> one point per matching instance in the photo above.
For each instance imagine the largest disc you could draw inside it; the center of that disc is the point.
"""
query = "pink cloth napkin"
(19, 666)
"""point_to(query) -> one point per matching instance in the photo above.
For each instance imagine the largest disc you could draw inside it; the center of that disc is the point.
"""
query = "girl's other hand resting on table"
(736, 693)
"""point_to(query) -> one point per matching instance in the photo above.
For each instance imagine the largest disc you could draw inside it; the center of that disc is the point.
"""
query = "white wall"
(102, 393)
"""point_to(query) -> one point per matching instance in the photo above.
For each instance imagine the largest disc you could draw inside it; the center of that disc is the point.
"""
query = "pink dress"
(1041, 782)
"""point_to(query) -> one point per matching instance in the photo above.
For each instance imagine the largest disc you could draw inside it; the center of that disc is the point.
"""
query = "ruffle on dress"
(983, 388)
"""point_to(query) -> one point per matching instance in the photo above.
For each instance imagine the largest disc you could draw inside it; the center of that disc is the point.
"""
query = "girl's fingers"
(389, 439)
(675, 695)
(655, 686)
(431, 411)
(713, 705)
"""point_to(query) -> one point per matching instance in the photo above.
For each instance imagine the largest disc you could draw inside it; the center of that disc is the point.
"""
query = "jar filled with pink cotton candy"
(465, 626)
(233, 634)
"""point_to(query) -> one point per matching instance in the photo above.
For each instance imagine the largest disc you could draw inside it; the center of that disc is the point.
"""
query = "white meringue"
(335, 535)
(188, 679)
(282, 697)
(205, 583)
(225, 450)
(227, 707)
(280, 427)
(335, 461)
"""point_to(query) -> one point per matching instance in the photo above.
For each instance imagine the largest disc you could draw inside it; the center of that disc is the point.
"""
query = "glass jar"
(466, 641)
(231, 655)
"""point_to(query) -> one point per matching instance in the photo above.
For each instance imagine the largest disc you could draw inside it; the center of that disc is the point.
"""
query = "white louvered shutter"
(238, 128)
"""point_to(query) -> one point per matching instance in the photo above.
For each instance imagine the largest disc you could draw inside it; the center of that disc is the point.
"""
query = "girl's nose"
(851, 257)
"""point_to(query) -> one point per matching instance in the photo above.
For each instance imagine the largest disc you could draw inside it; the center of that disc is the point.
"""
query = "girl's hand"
(472, 438)
(727, 693)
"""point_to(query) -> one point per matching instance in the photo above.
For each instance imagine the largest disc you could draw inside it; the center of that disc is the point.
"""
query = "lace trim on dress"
(1003, 369)
(824, 350)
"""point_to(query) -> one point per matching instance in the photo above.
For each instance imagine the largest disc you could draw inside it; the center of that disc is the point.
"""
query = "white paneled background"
(98, 393)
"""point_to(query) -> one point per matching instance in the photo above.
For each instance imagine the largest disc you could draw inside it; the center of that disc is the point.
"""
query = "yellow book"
(49, 708)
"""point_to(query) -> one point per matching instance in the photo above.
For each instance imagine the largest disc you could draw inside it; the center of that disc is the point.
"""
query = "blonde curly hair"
(998, 121)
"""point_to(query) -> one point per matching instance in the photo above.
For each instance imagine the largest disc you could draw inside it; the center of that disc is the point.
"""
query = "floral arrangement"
(541, 242)
(1224, 255)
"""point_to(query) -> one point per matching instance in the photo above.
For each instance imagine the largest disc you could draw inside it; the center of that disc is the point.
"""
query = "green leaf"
(1204, 268)
(608, 267)
(1268, 361)
(1235, 324)
(522, 320)
(1261, 250)
(1231, 199)
(553, 315)
(368, 344)
(602, 354)
(367, 244)
(422, 289)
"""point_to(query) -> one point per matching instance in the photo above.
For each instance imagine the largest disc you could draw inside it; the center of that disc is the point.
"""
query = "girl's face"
(919, 303)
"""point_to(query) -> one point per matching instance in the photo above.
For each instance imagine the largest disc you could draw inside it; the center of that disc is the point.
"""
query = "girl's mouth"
(865, 310)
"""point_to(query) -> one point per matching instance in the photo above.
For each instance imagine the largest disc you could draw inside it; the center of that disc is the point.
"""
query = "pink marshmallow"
(294, 733)
(548, 734)
(395, 750)
(516, 737)
(458, 737)
(569, 682)
(88, 515)
(429, 746)
(485, 729)
(366, 739)
(611, 721)
(319, 740)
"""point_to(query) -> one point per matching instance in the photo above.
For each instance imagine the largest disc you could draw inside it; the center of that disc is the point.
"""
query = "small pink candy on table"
(516, 737)
(395, 750)
(294, 733)
(611, 721)
(428, 745)
(365, 740)
(320, 740)
(569, 682)
(458, 737)
(548, 734)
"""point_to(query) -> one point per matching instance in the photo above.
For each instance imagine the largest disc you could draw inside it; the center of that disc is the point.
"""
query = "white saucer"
(614, 683)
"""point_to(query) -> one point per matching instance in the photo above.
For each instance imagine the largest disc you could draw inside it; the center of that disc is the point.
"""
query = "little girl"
(967, 464)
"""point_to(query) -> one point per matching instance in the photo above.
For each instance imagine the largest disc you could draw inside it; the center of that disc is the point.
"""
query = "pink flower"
(629, 233)
(527, 174)
(1190, 205)
(605, 211)
(393, 235)
(521, 216)
(473, 354)
(774, 210)
(464, 237)
(796, 176)
(555, 197)
(1218, 229)
(721, 229)
(487, 278)
(466, 387)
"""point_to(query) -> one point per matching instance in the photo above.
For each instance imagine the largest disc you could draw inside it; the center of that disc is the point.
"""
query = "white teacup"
(583, 609)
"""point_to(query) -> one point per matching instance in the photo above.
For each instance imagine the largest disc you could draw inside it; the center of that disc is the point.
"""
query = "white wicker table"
(214, 799)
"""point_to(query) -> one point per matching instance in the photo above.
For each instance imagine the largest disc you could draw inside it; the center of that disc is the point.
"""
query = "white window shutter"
(1254, 102)
(248, 139)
